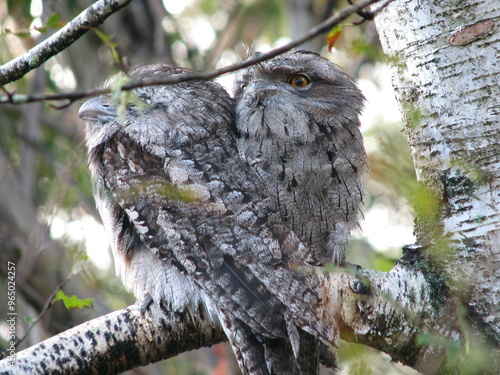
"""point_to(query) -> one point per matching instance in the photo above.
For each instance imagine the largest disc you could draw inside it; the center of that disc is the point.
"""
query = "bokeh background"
(49, 226)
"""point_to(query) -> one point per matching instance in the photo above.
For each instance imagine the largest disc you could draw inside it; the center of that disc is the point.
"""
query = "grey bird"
(191, 225)
(297, 124)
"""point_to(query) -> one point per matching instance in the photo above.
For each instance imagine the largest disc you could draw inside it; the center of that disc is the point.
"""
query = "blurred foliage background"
(48, 220)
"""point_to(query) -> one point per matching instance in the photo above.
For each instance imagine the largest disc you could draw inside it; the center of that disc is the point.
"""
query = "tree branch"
(91, 17)
(389, 311)
(395, 311)
(315, 31)
(116, 342)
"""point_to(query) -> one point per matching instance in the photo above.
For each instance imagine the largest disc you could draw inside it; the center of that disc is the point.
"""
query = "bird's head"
(156, 112)
(295, 88)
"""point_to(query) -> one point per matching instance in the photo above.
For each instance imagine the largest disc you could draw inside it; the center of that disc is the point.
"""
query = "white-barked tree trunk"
(446, 74)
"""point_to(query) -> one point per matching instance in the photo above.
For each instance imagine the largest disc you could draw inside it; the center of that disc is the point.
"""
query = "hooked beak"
(257, 92)
(99, 108)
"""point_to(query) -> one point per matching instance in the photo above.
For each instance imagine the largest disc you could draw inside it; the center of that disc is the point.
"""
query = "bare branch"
(91, 17)
(315, 31)
(369, 15)
(389, 311)
(116, 342)
(392, 311)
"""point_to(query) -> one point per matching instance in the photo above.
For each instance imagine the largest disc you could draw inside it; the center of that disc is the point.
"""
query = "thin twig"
(45, 307)
(91, 17)
(315, 31)
(368, 15)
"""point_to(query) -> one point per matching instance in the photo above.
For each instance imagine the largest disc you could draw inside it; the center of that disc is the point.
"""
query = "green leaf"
(22, 34)
(42, 29)
(333, 36)
(54, 21)
(73, 302)
(107, 40)
(104, 37)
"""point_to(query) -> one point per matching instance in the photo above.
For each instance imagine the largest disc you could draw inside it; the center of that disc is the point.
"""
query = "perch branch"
(388, 311)
(115, 342)
(315, 31)
(91, 17)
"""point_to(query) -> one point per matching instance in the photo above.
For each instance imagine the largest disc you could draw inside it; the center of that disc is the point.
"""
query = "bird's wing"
(181, 226)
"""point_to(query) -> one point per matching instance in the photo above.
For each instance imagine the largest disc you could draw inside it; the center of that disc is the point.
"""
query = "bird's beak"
(258, 92)
(98, 108)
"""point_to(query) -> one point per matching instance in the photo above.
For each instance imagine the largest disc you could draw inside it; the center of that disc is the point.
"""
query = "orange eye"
(299, 80)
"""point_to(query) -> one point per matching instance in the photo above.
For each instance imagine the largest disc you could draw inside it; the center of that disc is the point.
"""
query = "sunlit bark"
(446, 74)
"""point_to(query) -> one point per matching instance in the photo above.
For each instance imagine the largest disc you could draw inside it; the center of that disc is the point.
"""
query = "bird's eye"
(299, 80)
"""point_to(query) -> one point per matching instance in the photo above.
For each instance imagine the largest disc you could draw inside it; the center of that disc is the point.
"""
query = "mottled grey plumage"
(191, 225)
(305, 142)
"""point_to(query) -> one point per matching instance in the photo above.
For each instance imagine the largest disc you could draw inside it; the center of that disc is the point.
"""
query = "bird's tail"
(258, 355)
(308, 358)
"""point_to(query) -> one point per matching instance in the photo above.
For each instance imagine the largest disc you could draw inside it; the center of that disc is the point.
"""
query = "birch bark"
(446, 75)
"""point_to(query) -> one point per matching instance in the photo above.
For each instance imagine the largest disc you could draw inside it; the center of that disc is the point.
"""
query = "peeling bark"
(393, 311)
(446, 75)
